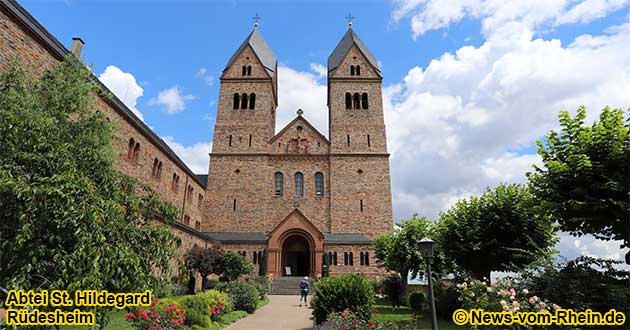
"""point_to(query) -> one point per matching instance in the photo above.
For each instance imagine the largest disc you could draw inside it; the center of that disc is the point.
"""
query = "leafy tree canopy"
(585, 181)
(235, 265)
(499, 231)
(206, 261)
(69, 220)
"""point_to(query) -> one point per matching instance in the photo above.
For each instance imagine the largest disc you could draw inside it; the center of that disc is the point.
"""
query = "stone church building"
(298, 194)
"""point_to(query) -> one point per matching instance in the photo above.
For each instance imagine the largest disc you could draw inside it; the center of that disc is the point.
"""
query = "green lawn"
(388, 314)
(116, 322)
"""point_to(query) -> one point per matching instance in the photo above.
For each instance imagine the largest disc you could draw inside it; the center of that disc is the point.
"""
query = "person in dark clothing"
(304, 287)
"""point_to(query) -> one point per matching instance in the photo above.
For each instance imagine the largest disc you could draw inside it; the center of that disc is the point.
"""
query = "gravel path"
(281, 313)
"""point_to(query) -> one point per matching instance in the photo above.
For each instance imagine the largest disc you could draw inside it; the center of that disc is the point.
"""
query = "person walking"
(304, 287)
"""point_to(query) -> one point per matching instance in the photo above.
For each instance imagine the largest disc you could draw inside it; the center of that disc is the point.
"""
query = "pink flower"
(512, 292)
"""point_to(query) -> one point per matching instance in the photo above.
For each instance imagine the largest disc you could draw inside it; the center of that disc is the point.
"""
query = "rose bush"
(169, 318)
(504, 295)
(347, 320)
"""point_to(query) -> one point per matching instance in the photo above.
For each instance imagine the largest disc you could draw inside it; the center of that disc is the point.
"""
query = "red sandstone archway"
(295, 227)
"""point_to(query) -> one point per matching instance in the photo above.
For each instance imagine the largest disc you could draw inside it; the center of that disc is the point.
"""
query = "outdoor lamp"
(427, 249)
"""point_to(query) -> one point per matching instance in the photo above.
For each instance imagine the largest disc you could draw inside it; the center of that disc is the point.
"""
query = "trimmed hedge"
(336, 294)
(197, 312)
(417, 301)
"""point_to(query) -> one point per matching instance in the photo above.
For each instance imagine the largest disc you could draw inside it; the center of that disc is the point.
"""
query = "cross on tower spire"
(350, 18)
(256, 19)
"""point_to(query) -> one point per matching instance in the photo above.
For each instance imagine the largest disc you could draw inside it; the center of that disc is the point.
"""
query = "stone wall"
(22, 42)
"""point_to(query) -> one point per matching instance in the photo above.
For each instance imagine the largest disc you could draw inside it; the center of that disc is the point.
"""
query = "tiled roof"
(345, 238)
(260, 237)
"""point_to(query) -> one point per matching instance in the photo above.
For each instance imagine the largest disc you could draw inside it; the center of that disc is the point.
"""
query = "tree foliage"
(399, 250)
(235, 265)
(205, 261)
(585, 181)
(69, 220)
(262, 267)
(499, 231)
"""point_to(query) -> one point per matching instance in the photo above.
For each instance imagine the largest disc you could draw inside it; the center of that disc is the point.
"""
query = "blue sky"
(468, 87)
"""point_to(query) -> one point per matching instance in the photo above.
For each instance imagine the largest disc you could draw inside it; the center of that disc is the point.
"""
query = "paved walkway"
(281, 313)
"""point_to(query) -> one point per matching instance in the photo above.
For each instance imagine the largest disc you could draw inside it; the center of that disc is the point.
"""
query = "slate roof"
(203, 178)
(261, 49)
(349, 39)
(260, 237)
(238, 237)
(345, 238)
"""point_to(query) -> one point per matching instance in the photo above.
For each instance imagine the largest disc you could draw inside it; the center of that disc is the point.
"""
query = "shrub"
(393, 288)
(210, 283)
(350, 292)
(446, 301)
(502, 296)
(243, 294)
(213, 297)
(197, 311)
(348, 320)
(170, 317)
(262, 268)
(262, 285)
(235, 265)
(417, 301)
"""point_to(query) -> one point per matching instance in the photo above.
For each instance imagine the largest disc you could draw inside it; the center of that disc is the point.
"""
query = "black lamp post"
(427, 248)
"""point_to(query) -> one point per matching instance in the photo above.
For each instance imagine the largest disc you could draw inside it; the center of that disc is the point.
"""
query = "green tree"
(205, 261)
(69, 220)
(585, 181)
(499, 231)
(235, 265)
(399, 250)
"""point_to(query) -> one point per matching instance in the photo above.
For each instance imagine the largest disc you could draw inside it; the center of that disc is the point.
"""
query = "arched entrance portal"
(296, 256)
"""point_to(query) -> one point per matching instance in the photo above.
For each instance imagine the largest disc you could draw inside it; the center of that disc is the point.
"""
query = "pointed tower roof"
(261, 49)
(349, 39)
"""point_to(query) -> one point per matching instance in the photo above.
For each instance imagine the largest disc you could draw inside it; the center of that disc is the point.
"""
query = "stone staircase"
(287, 285)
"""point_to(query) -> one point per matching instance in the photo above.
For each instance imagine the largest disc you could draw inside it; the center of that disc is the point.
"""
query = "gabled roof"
(261, 49)
(298, 118)
(349, 39)
(238, 237)
(346, 238)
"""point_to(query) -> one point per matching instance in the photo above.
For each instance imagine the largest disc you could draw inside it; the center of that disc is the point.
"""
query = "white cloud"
(172, 100)
(203, 74)
(302, 90)
(320, 69)
(429, 15)
(195, 156)
(124, 86)
(453, 127)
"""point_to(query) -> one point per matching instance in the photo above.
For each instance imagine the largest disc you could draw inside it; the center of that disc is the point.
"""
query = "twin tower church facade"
(299, 194)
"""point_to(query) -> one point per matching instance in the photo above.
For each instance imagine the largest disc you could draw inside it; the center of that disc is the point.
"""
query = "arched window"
(361, 259)
(352, 70)
(155, 166)
(244, 101)
(136, 152)
(299, 184)
(175, 182)
(244, 70)
(249, 70)
(319, 184)
(345, 258)
(351, 259)
(278, 181)
(364, 101)
(159, 170)
(366, 255)
(237, 101)
(358, 70)
(132, 143)
(357, 101)
(348, 101)
(252, 101)
(334, 261)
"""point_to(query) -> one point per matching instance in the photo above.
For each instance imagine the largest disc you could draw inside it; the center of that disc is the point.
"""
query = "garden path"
(281, 313)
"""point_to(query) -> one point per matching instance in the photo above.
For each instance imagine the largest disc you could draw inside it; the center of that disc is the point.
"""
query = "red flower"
(375, 311)
(342, 327)
(145, 317)
(130, 316)
(155, 300)
(355, 322)
(371, 323)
